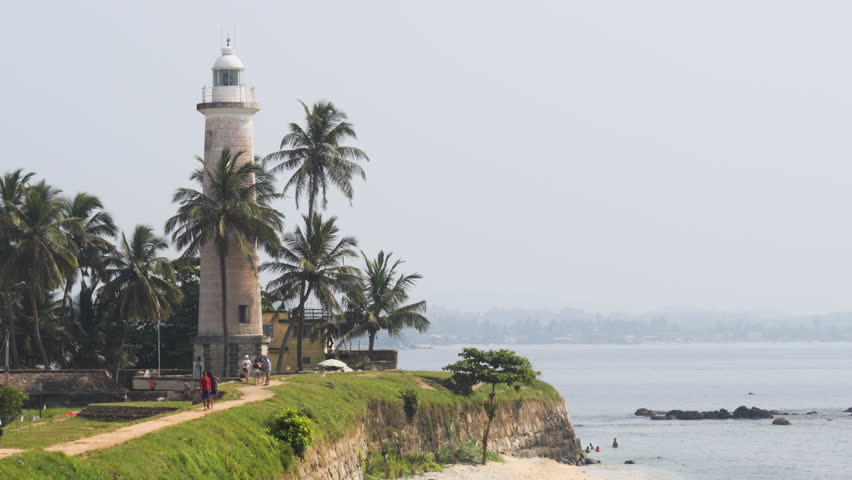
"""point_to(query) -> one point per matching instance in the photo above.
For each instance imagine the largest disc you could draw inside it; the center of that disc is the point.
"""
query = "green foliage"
(492, 367)
(467, 453)
(234, 444)
(317, 156)
(232, 213)
(294, 429)
(393, 465)
(410, 402)
(311, 262)
(378, 301)
(11, 401)
(177, 330)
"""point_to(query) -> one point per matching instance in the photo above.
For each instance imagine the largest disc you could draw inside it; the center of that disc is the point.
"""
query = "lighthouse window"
(244, 314)
(226, 78)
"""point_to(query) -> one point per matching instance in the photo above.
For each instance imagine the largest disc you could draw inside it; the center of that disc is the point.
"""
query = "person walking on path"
(206, 385)
(214, 387)
(258, 370)
(267, 370)
(246, 368)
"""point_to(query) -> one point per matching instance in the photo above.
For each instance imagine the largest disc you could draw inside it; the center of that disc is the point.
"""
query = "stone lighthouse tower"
(228, 109)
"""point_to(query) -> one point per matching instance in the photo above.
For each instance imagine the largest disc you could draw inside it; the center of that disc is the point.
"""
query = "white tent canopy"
(332, 363)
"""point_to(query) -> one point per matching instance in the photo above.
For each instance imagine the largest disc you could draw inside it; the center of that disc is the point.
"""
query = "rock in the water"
(629, 462)
(848, 410)
(592, 461)
(780, 421)
(811, 413)
(684, 415)
(720, 414)
(644, 412)
(752, 413)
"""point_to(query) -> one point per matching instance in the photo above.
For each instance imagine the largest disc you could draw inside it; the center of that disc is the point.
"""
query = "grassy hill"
(234, 444)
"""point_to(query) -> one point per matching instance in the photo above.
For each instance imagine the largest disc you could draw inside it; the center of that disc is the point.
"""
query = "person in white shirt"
(246, 368)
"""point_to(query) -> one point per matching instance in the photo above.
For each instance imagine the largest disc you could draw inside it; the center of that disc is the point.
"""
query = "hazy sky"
(606, 155)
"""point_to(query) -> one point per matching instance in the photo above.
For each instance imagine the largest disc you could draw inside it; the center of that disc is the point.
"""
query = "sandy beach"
(523, 469)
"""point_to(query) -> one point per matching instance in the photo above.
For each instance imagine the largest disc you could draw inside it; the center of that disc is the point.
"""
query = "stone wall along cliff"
(534, 427)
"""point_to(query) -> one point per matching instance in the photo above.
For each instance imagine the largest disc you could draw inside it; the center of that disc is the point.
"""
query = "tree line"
(75, 292)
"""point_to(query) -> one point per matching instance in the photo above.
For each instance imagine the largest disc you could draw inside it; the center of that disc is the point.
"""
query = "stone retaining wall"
(533, 428)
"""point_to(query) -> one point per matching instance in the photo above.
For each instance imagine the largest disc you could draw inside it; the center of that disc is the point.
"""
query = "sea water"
(604, 384)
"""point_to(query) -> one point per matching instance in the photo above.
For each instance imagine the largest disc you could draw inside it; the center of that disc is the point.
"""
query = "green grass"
(233, 444)
(55, 428)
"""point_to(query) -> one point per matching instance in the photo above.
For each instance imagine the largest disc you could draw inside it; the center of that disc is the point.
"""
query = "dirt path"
(8, 452)
(250, 393)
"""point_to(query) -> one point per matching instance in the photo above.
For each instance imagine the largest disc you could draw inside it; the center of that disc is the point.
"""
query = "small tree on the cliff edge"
(490, 367)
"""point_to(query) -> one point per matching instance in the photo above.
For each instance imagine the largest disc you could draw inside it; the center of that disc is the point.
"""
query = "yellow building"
(282, 329)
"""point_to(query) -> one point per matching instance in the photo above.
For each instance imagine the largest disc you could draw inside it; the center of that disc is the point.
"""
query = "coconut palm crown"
(379, 302)
(142, 283)
(90, 237)
(232, 211)
(310, 262)
(318, 155)
(38, 252)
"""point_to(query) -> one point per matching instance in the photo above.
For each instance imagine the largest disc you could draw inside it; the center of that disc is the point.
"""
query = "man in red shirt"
(206, 384)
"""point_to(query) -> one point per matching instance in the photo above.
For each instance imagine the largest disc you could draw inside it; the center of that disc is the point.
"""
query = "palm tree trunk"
(224, 280)
(303, 298)
(66, 301)
(36, 332)
(299, 331)
(372, 344)
(491, 410)
(121, 349)
(13, 344)
(282, 348)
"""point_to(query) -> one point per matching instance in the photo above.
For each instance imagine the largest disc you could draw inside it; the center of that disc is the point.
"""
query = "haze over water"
(604, 384)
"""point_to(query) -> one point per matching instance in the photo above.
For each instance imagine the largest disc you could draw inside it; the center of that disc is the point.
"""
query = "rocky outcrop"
(752, 413)
(742, 412)
(720, 414)
(534, 427)
(780, 421)
(644, 412)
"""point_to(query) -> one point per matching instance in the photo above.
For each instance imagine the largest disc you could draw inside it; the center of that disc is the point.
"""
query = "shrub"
(11, 401)
(468, 453)
(410, 402)
(294, 429)
(393, 465)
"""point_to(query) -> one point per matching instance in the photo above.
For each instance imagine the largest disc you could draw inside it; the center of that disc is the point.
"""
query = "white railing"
(234, 93)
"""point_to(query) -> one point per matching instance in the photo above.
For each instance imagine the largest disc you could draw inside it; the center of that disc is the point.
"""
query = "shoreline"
(513, 468)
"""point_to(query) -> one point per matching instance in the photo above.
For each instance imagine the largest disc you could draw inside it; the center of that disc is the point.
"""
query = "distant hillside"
(569, 325)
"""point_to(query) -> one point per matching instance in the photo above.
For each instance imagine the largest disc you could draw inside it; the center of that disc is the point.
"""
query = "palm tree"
(378, 302)
(12, 186)
(41, 253)
(91, 242)
(310, 262)
(318, 156)
(142, 283)
(232, 211)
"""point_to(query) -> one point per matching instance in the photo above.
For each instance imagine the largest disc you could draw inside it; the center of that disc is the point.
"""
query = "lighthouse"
(228, 108)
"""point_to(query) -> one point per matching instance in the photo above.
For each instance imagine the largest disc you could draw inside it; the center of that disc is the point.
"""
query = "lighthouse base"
(208, 353)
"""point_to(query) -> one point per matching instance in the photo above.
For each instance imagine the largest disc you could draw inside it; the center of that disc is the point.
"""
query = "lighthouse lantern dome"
(227, 69)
